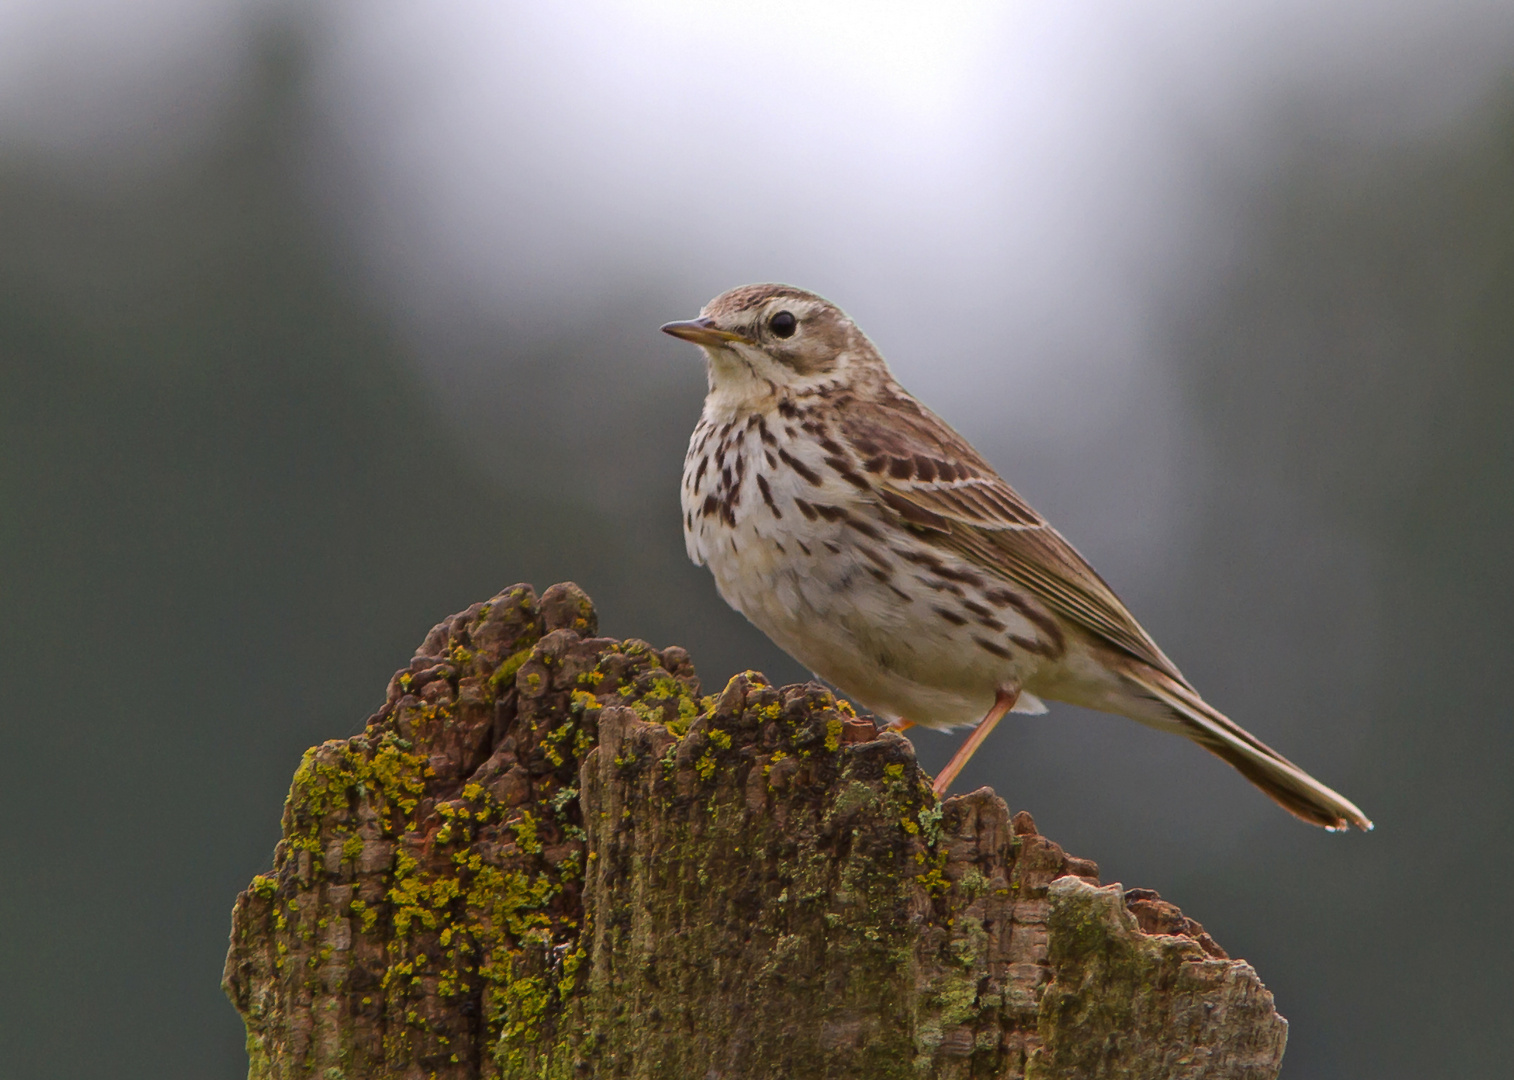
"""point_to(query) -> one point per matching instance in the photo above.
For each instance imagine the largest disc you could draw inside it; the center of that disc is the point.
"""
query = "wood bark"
(548, 855)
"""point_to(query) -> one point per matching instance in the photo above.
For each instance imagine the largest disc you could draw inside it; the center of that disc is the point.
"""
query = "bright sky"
(998, 191)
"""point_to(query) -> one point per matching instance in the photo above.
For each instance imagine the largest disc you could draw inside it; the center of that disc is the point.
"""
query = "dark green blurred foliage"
(1356, 375)
(228, 510)
(1342, 585)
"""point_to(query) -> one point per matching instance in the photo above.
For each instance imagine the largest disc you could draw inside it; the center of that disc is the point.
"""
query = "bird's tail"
(1284, 782)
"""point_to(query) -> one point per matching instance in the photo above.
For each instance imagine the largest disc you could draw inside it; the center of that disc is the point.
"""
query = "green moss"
(495, 921)
(504, 675)
(856, 797)
(367, 915)
(798, 904)
(930, 822)
(563, 799)
(525, 833)
(552, 744)
(973, 884)
(1093, 943)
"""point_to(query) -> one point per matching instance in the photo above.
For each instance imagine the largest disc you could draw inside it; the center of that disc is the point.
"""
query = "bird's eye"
(783, 324)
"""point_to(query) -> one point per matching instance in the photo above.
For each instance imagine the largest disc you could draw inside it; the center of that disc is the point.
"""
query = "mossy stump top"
(548, 855)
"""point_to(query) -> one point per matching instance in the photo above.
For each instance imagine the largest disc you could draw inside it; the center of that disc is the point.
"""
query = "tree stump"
(548, 856)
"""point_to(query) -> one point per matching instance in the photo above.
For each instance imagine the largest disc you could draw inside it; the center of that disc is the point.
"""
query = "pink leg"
(1004, 700)
(900, 724)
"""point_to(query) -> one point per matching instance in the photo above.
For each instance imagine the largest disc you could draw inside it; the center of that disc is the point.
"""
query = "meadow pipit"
(876, 547)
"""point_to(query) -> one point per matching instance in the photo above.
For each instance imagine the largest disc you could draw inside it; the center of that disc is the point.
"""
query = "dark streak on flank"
(951, 617)
(799, 467)
(877, 557)
(952, 573)
(940, 586)
(1057, 641)
(864, 527)
(807, 510)
(767, 496)
(994, 647)
(1040, 648)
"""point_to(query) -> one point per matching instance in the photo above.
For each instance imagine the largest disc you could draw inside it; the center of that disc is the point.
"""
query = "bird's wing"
(935, 482)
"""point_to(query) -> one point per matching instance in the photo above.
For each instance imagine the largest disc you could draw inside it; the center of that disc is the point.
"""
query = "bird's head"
(766, 341)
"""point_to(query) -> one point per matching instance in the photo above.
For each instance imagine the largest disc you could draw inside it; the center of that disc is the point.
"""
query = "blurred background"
(320, 321)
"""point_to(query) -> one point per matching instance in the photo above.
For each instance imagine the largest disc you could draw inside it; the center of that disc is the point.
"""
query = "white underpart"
(894, 654)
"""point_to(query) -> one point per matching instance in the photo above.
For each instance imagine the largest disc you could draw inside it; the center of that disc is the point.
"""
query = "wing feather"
(956, 502)
(981, 518)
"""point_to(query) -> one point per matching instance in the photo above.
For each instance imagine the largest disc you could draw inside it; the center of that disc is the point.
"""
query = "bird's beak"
(702, 332)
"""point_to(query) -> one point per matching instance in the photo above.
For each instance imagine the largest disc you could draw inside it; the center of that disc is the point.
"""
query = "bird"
(875, 546)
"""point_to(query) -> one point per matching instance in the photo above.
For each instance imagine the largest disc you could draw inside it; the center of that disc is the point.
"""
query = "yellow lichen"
(833, 734)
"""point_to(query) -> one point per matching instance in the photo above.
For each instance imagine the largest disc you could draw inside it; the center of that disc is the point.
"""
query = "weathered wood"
(548, 856)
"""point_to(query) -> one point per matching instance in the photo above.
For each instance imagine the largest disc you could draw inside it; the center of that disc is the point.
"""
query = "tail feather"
(1284, 782)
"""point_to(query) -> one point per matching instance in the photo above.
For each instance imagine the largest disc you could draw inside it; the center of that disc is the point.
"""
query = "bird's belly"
(882, 634)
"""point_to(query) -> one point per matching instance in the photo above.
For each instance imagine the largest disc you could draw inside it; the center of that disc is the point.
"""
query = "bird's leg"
(900, 724)
(1004, 700)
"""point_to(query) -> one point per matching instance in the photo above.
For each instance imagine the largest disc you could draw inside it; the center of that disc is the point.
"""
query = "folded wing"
(935, 482)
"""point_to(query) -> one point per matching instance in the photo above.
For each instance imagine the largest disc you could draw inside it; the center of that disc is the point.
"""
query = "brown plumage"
(874, 544)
